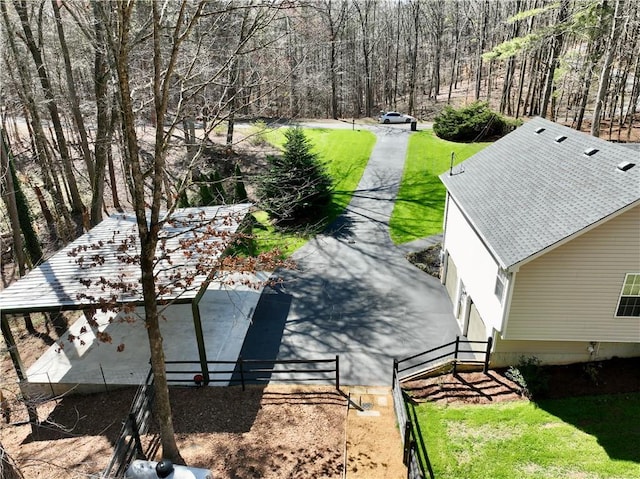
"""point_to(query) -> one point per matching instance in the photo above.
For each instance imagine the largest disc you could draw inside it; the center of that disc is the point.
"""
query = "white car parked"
(395, 117)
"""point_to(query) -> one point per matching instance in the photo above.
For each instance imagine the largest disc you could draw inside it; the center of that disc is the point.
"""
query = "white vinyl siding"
(475, 266)
(508, 353)
(572, 292)
(476, 330)
(451, 281)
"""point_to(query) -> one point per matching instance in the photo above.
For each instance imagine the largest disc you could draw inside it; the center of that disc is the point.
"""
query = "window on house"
(629, 303)
(501, 281)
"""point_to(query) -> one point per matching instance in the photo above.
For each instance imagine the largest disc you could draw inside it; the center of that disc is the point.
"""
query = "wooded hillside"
(74, 68)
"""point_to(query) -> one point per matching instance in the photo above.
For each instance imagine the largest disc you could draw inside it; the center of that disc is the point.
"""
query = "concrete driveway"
(354, 293)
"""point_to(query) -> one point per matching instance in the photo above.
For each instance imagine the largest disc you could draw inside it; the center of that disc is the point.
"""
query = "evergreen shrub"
(475, 122)
(296, 190)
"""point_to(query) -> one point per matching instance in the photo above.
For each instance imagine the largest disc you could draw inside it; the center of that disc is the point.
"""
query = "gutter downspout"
(507, 304)
(444, 258)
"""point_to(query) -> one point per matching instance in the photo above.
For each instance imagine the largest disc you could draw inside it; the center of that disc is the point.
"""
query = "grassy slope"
(419, 207)
(345, 154)
(586, 438)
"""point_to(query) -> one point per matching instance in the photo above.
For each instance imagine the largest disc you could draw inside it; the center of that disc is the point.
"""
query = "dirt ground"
(274, 432)
(278, 431)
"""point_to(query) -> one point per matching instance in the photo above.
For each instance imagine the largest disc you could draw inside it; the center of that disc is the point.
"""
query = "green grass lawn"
(419, 207)
(345, 154)
(583, 438)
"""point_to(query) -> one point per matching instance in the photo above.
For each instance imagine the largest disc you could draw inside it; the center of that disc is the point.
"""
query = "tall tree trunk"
(413, 54)
(634, 98)
(36, 131)
(585, 83)
(31, 241)
(8, 194)
(113, 182)
(149, 226)
(366, 27)
(456, 47)
(335, 27)
(103, 123)
(73, 97)
(605, 74)
(557, 42)
(481, 44)
(397, 57)
(78, 208)
(46, 213)
(505, 99)
(334, 83)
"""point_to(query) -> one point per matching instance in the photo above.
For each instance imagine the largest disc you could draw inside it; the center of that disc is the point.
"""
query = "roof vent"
(590, 151)
(560, 139)
(625, 165)
(540, 130)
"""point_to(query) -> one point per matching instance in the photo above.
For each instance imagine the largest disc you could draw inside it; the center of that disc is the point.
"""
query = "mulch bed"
(612, 376)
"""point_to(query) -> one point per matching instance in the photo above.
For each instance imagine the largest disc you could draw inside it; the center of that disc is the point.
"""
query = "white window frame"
(634, 285)
(501, 284)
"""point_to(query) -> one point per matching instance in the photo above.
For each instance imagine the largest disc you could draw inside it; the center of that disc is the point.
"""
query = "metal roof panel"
(98, 267)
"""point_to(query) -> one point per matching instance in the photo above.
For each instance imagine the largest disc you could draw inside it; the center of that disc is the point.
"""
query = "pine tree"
(31, 241)
(239, 191)
(205, 196)
(296, 191)
(183, 199)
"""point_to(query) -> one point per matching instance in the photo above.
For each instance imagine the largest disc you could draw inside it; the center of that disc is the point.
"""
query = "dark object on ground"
(164, 468)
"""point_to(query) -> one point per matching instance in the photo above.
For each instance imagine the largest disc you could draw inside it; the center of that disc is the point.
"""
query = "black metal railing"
(254, 371)
(460, 351)
(129, 446)
(414, 451)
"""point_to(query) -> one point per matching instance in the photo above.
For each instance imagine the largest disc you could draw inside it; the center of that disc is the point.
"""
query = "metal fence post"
(455, 354)
(407, 443)
(240, 363)
(487, 354)
(395, 371)
(104, 380)
(337, 372)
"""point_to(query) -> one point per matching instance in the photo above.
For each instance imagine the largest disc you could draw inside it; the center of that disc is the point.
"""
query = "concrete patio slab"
(87, 364)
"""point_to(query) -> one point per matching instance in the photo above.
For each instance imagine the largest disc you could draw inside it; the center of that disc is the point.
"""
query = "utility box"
(164, 470)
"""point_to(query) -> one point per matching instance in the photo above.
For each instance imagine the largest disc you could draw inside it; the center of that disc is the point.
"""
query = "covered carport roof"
(101, 270)
(101, 266)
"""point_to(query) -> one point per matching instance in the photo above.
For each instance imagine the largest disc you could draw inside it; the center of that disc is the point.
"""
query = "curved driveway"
(354, 293)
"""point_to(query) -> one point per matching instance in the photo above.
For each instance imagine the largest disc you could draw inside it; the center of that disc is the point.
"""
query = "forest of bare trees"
(571, 61)
(86, 83)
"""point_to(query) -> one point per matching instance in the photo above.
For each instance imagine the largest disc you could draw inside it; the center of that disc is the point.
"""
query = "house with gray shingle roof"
(541, 247)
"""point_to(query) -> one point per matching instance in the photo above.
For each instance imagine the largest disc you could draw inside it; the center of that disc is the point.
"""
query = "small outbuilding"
(203, 317)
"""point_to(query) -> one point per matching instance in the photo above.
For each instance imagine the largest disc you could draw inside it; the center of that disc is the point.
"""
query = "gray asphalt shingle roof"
(526, 191)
